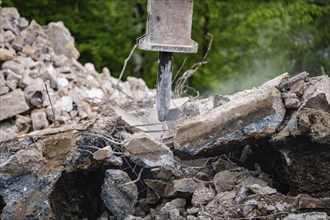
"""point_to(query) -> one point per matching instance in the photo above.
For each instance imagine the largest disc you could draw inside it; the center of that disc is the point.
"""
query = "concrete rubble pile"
(32, 58)
(262, 153)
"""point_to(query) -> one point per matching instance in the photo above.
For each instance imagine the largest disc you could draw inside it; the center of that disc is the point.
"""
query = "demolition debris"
(77, 144)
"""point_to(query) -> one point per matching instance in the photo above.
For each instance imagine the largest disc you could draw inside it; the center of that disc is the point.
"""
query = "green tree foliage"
(257, 40)
(253, 40)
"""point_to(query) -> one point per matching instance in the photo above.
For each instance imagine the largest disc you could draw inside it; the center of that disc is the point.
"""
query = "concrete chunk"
(11, 75)
(15, 66)
(5, 54)
(118, 196)
(102, 153)
(64, 104)
(202, 195)
(291, 100)
(23, 124)
(306, 202)
(147, 151)
(313, 116)
(34, 92)
(7, 131)
(251, 114)
(12, 103)
(61, 40)
(39, 119)
(32, 32)
(9, 36)
(317, 93)
(263, 190)
(180, 188)
(224, 181)
(4, 90)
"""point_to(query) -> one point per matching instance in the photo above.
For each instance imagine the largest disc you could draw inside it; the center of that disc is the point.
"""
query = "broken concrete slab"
(147, 151)
(118, 195)
(12, 103)
(252, 114)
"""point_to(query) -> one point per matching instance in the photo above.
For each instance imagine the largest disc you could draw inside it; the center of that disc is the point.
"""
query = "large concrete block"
(251, 114)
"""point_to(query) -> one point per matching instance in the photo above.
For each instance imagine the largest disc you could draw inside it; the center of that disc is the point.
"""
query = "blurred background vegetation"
(253, 40)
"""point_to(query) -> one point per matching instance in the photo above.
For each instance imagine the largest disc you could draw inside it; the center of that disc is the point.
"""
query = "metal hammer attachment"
(169, 25)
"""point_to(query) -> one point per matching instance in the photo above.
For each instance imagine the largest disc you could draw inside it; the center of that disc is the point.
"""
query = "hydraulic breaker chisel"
(164, 80)
(168, 30)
